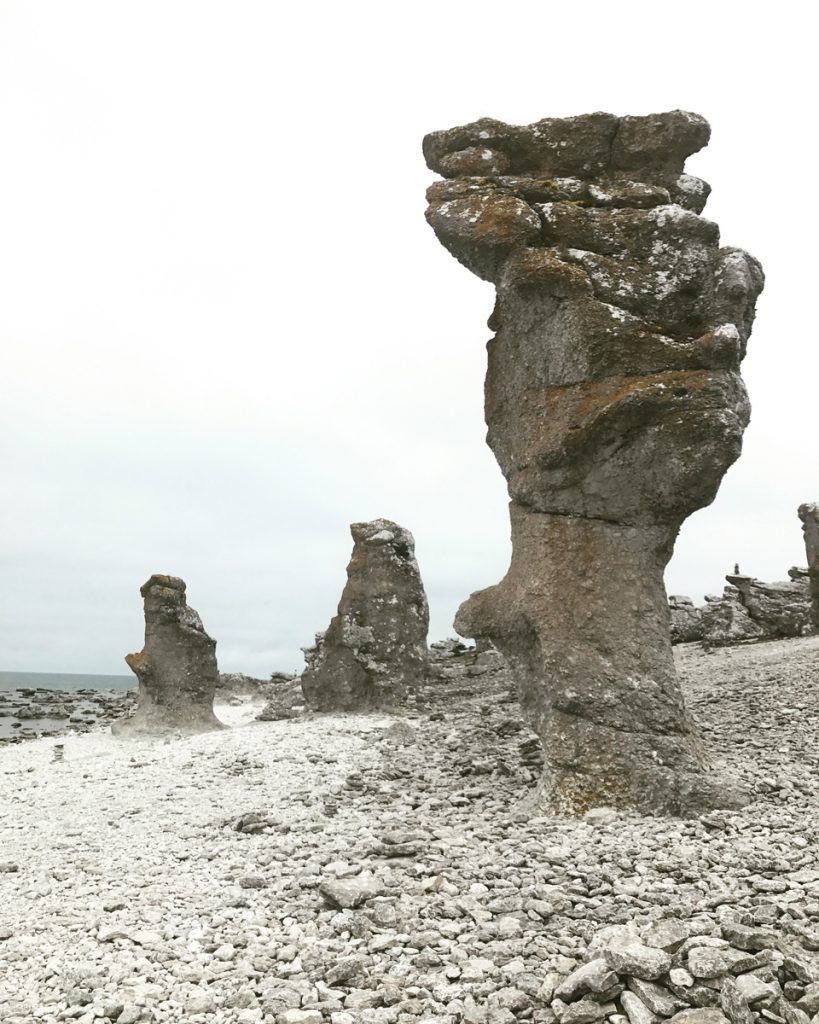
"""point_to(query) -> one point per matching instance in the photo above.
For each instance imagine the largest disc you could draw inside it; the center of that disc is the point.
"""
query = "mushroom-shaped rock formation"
(375, 648)
(809, 514)
(614, 406)
(176, 668)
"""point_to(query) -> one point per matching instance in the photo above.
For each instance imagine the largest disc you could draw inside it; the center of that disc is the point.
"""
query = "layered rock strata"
(779, 609)
(809, 514)
(614, 406)
(375, 648)
(747, 609)
(176, 668)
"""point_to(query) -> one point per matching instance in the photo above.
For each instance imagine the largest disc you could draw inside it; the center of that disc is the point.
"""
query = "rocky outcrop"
(725, 619)
(176, 668)
(809, 514)
(285, 699)
(374, 650)
(236, 686)
(453, 662)
(686, 619)
(780, 609)
(747, 609)
(614, 405)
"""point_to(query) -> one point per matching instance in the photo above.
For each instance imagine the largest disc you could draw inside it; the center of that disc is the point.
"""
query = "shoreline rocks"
(28, 713)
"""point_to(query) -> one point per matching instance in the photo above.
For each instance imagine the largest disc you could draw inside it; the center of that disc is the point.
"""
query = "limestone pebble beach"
(386, 869)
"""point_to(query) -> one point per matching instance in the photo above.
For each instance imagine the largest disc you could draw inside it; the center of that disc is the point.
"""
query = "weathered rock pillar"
(375, 649)
(809, 514)
(176, 668)
(614, 406)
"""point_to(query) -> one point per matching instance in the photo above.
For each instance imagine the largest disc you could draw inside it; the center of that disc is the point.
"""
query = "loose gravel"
(385, 869)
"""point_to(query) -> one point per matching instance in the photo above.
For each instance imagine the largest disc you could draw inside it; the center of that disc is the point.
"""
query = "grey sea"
(64, 681)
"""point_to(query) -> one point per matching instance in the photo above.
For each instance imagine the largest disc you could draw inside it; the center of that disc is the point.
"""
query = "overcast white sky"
(227, 331)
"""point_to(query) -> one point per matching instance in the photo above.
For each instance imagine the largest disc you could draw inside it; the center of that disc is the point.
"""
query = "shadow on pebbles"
(377, 869)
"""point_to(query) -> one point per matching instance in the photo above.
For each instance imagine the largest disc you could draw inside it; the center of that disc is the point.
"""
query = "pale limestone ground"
(492, 900)
(141, 822)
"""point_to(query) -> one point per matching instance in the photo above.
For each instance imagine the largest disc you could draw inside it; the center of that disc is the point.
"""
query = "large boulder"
(176, 668)
(780, 609)
(686, 619)
(725, 620)
(614, 406)
(374, 651)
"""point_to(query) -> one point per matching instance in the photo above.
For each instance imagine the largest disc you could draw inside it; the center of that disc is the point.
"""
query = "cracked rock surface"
(375, 648)
(614, 407)
(382, 870)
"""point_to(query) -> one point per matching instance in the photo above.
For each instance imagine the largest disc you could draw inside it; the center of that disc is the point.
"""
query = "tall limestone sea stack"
(176, 668)
(809, 514)
(375, 648)
(615, 406)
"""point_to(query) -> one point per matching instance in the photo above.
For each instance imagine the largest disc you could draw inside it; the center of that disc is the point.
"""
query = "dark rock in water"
(615, 406)
(809, 514)
(374, 651)
(176, 668)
